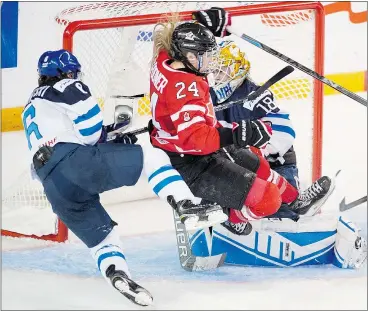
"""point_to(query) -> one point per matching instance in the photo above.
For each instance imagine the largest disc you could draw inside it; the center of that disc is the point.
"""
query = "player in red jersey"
(185, 126)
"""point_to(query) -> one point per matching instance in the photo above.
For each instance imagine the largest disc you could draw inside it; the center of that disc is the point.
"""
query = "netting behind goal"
(113, 42)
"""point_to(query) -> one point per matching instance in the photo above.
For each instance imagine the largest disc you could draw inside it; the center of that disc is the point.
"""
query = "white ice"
(63, 276)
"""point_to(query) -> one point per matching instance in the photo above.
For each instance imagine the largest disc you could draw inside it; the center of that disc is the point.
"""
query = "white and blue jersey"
(65, 112)
(264, 108)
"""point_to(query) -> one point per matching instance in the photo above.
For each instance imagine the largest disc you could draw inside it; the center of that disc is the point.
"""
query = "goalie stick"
(297, 65)
(274, 79)
(188, 261)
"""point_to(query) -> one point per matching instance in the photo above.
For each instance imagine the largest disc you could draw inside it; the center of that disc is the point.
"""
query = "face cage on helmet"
(226, 73)
(211, 58)
(80, 76)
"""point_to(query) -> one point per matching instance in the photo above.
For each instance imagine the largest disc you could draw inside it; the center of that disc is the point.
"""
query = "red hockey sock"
(236, 216)
(288, 192)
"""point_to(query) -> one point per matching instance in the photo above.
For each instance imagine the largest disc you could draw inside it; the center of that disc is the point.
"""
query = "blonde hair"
(162, 34)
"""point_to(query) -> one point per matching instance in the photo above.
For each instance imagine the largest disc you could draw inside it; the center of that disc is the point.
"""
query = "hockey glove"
(251, 133)
(215, 19)
(126, 139)
(111, 129)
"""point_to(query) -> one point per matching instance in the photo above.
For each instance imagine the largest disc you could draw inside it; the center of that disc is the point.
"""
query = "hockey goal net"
(113, 42)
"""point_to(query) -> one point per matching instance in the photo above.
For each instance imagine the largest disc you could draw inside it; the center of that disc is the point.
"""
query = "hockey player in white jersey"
(66, 137)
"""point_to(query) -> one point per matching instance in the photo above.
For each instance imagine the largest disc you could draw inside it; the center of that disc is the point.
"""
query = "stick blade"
(195, 263)
(289, 69)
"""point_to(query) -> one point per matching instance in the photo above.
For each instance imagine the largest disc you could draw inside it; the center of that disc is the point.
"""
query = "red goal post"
(296, 29)
(269, 12)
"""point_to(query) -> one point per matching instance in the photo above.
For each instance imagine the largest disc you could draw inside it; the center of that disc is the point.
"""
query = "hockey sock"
(288, 192)
(109, 252)
(163, 178)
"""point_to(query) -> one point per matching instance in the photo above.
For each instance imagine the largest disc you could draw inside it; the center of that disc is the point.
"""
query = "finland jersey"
(264, 108)
(65, 112)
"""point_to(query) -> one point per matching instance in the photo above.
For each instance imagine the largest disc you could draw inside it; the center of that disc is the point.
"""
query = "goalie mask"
(194, 38)
(233, 69)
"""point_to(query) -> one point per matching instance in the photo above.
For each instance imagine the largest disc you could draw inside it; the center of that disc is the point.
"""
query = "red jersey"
(182, 110)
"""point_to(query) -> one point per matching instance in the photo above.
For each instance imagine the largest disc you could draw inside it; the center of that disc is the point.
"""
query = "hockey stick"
(277, 77)
(297, 65)
(188, 261)
(128, 96)
(344, 207)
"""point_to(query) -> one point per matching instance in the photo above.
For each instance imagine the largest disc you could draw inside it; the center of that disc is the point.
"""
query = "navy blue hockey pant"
(76, 175)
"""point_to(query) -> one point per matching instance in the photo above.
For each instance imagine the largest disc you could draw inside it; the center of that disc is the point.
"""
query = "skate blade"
(315, 209)
(142, 298)
(214, 218)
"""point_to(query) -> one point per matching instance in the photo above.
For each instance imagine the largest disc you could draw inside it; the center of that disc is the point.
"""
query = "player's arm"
(82, 109)
(260, 106)
(197, 127)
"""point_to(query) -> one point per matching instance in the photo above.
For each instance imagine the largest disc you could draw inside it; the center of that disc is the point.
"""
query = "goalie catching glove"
(251, 133)
(215, 19)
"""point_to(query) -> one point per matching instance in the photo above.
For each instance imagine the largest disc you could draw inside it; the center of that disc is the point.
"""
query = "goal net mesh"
(115, 59)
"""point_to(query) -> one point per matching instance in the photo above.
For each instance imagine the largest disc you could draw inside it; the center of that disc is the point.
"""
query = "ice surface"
(39, 275)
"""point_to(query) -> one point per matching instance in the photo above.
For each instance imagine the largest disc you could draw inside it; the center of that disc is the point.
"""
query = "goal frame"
(82, 25)
(274, 7)
(60, 236)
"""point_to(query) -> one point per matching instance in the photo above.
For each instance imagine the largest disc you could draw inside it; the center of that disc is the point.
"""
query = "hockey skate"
(310, 201)
(128, 288)
(197, 216)
(242, 228)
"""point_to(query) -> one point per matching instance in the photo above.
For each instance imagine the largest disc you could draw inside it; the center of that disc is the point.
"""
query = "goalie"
(232, 83)
(312, 240)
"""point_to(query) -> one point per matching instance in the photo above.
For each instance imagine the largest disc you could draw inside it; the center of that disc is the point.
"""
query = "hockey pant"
(216, 178)
(73, 182)
(285, 177)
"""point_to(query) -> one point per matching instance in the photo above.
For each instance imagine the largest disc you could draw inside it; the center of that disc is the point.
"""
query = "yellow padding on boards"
(353, 81)
(285, 89)
(11, 119)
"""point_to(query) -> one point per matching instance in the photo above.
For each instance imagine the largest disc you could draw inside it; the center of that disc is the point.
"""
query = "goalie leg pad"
(350, 247)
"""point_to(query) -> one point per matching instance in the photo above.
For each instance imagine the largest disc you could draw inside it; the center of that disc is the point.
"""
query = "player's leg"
(255, 162)
(235, 188)
(81, 211)
(164, 179)
(307, 202)
(168, 184)
(290, 172)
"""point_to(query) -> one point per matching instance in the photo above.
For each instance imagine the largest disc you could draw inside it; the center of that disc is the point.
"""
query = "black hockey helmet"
(192, 37)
